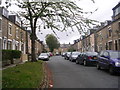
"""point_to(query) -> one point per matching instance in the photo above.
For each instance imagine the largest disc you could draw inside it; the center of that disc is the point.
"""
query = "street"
(68, 74)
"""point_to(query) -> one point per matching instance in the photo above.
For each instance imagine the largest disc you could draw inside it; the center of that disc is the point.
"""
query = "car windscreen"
(68, 53)
(43, 54)
(75, 53)
(115, 54)
(92, 53)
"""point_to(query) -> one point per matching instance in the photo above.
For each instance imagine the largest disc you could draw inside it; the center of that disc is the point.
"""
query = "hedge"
(10, 55)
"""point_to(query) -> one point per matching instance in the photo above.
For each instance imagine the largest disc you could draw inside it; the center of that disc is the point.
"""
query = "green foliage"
(52, 42)
(28, 75)
(16, 53)
(10, 54)
(6, 54)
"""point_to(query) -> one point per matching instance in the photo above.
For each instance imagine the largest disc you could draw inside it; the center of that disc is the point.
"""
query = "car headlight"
(117, 64)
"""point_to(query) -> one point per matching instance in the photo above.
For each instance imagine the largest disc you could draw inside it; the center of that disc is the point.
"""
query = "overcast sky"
(103, 13)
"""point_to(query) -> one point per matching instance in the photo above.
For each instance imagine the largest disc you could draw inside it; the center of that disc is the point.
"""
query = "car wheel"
(71, 60)
(77, 62)
(85, 63)
(98, 66)
(111, 70)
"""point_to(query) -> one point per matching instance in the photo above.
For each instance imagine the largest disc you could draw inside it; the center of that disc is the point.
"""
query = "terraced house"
(108, 38)
(15, 36)
(104, 37)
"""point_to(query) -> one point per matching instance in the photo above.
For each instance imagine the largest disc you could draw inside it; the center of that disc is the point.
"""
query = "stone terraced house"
(14, 36)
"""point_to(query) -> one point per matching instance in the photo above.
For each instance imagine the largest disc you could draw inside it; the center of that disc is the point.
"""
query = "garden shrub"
(16, 54)
(10, 55)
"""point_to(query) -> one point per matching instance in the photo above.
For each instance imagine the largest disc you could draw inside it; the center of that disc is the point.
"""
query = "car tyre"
(77, 62)
(98, 67)
(71, 60)
(85, 63)
(111, 70)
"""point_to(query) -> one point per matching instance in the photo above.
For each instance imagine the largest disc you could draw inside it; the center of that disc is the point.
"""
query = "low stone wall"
(8, 62)
(24, 58)
(16, 61)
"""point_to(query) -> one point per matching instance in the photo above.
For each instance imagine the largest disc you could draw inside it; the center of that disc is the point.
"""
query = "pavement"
(12, 65)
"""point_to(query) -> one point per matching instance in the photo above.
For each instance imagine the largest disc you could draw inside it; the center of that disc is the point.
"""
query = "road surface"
(68, 74)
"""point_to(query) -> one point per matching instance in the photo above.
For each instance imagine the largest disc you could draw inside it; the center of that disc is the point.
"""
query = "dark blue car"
(87, 58)
(110, 60)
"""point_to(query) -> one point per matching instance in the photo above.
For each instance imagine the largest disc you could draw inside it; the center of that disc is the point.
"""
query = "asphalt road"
(68, 74)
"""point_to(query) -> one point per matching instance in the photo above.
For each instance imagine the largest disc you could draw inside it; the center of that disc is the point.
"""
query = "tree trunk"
(33, 56)
(33, 22)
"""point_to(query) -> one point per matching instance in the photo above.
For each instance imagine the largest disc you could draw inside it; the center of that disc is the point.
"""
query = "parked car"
(57, 54)
(43, 56)
(50, 54)
(63, 54)
(79, 59)
(67, 55)
(87, 58)
(110, 60)
(74, 56)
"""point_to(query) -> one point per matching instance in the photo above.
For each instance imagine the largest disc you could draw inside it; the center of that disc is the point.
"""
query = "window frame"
(10, 29)
(17, 32)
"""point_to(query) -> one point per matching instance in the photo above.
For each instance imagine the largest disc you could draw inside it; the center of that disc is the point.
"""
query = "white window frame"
(17, 32)
(1, 42)
(5, 43)
(10, 42)
(17, 45)
(110, 41)
(109, 29)
(10, 30)
(13, 44)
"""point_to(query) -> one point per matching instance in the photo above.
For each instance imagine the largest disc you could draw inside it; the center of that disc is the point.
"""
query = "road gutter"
(47, 81)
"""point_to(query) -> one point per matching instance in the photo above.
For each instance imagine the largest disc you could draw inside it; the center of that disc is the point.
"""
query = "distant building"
(62, 48)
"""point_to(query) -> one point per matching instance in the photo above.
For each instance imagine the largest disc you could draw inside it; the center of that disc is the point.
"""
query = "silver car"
(74, 56)
(43, 56)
